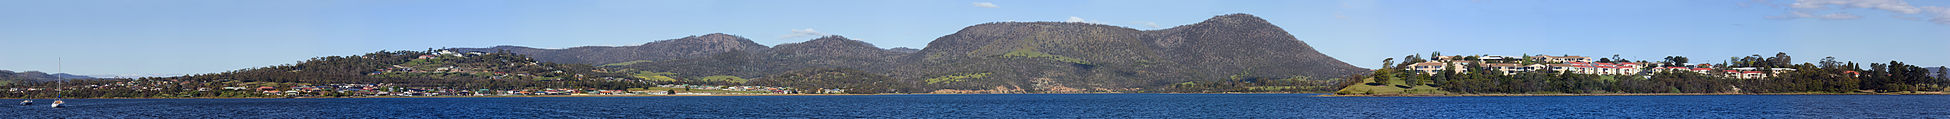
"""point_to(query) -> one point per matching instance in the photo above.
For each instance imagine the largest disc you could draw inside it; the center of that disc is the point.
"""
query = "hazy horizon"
(188, 37)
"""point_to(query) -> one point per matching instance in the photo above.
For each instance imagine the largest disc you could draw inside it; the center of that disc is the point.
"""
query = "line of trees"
(1828, 77)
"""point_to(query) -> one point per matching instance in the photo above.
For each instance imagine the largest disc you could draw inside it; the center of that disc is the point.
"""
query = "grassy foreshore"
(1619, 94)
(1326, 95)
(456, 96)
(1318, 92)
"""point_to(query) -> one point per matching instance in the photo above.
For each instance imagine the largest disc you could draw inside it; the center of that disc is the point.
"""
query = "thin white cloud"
(1829, 16)
(1897, 6)
(1905, 17)
(1339, 15)
(1905, 11)
(1939, 15)
(1750, 3)
(1074, 19)
(808, 32)
(1838, 16)
(986, 5)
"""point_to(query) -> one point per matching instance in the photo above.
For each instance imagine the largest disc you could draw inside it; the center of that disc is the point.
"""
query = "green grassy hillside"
(1370, 86)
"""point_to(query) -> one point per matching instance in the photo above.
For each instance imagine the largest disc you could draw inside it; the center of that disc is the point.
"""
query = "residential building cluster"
(1579, 65)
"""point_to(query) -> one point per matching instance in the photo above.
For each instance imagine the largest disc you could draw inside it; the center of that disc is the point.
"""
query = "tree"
(1852, 66)
(1448, 72)
(1434, 55)
(1526, 59)
(1943, 73)
(1754, 61)
(1408, 60)
(1615, 56)
(1829, 62)
(1385, 63)
(1876, 77)
(1676, 60)
(1780, 59)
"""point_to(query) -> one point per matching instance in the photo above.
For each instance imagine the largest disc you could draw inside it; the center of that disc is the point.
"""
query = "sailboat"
(57, 84)
(27, 102)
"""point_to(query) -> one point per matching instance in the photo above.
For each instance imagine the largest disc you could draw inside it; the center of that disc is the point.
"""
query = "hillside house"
(1549, 58)
(1432, 67)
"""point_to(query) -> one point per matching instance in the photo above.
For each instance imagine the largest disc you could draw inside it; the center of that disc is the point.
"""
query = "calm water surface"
(1015, 106)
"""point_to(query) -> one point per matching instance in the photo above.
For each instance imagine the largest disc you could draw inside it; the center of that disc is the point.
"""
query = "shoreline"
(1615, 94)
(518, 96)
(1322, 95)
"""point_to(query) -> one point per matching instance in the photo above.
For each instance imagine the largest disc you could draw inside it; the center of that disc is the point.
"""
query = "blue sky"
(97, 37)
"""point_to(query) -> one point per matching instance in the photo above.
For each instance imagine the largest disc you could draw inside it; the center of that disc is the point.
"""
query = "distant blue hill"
(36, 76)
(1938, 71)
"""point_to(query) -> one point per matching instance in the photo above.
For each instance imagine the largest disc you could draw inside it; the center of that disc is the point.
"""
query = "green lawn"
(1389, 87)
(681, 90)
(723, 78)
(655, 76)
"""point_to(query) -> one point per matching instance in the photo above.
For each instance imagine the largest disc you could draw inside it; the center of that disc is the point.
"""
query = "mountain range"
(1002, 57)
(687, 47)
(9, 77)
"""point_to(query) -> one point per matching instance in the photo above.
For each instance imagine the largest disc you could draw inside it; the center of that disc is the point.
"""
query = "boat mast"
(57, 78)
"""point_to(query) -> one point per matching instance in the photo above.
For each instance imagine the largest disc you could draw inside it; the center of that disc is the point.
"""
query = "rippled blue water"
(1016, 106)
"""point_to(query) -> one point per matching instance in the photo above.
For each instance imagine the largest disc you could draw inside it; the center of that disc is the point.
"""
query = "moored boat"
(57, 85)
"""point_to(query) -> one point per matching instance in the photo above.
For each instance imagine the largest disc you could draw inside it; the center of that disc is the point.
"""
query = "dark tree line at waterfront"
(855, 81)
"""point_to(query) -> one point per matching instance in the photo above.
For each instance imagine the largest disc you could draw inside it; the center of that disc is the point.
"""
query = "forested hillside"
(427, 68)
(687, 47)
(11, 77)
(824, 52)
(1227, 53)
(1239, 50)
